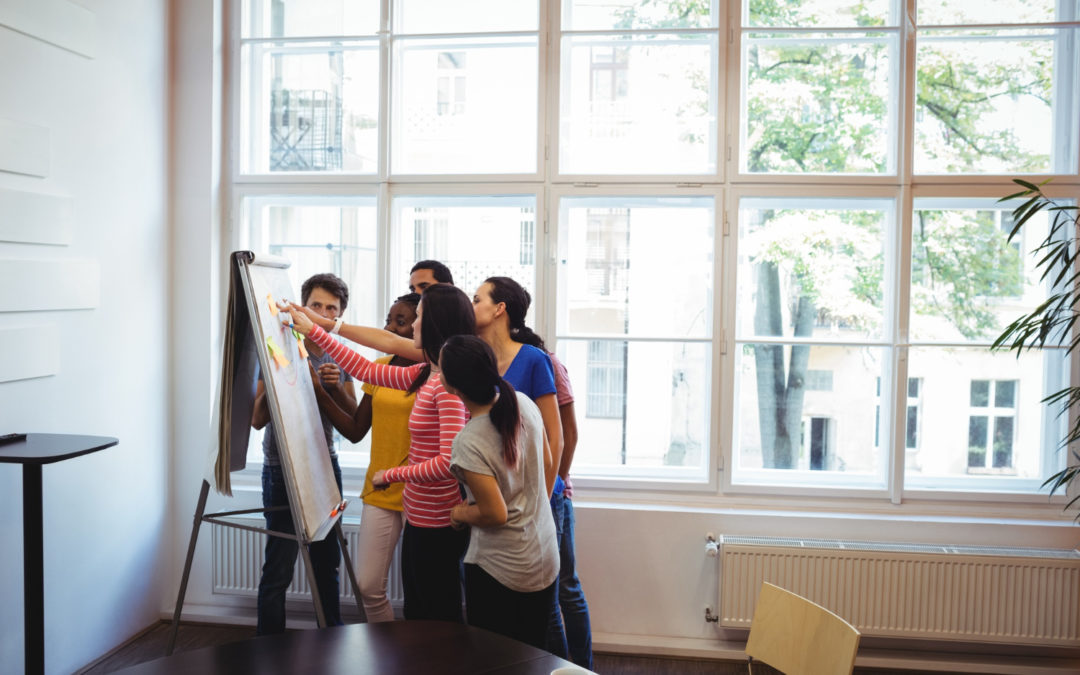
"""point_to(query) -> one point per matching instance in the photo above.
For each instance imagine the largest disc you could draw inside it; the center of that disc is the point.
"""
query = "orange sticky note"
(276, 352)
(273, 305)
(301, 347)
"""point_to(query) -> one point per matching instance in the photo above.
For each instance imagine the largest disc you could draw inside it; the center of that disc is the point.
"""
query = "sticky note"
(273, 305)
(301, 347)
(276, 352)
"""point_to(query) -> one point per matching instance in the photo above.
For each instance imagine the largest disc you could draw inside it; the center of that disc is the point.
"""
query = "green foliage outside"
(824, 106)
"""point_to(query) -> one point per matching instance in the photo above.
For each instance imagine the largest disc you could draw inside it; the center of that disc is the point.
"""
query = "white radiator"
(1003, 595)
(238, 559)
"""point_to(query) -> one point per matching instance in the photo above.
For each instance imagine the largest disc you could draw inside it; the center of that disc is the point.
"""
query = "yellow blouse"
(390, 409)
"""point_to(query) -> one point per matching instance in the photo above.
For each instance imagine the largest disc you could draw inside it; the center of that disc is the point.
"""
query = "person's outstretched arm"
(375, 338)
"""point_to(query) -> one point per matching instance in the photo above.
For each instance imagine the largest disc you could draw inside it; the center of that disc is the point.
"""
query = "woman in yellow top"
(386, 412)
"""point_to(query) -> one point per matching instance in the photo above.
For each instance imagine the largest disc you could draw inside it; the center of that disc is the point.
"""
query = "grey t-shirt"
(270, 450)
(522, 554)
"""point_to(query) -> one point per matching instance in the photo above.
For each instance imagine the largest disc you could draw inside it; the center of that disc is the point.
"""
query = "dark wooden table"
(32, 451)
(405, 647)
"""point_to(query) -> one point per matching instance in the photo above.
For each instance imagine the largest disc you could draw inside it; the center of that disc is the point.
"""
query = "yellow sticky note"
(301, 347)
(273, 305)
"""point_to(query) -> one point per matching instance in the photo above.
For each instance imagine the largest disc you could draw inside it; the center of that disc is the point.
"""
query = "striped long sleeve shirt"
(437, 417)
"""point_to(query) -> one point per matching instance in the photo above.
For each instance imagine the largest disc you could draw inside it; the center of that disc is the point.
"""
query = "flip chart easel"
(257, 341)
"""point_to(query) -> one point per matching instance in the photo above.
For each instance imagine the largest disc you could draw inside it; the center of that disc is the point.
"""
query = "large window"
(763, 236)
(634, 326)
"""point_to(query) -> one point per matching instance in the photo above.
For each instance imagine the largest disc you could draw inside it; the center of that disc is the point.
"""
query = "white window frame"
(726, 185)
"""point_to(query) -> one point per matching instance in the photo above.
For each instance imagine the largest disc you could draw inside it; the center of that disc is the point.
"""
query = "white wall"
(647, 578)
(106, 535)
(198, 293)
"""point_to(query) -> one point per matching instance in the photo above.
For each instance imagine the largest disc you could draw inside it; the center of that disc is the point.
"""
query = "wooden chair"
(798, 637)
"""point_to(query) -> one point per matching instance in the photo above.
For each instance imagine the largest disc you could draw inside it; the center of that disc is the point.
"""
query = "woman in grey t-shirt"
(512, 562)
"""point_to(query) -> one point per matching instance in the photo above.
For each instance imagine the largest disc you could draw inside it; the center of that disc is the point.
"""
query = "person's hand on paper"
(298, 317)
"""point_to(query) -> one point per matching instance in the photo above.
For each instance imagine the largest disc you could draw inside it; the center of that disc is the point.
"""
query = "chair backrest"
(798, 637)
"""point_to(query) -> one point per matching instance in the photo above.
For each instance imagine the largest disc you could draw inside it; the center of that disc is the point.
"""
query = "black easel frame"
(217, 518)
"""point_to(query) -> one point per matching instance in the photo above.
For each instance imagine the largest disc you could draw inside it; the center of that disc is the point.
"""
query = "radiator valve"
(712, 546)
(710, 617)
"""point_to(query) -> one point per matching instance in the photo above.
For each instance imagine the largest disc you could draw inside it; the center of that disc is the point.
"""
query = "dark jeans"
(570, 606)
(431, 572)
(494, 607)
(277, 571)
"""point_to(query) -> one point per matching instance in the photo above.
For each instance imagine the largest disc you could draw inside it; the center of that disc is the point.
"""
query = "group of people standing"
(473, 435)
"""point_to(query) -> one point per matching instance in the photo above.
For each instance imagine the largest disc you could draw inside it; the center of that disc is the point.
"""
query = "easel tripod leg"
(320, 616)
(199, 510)
(349, 567)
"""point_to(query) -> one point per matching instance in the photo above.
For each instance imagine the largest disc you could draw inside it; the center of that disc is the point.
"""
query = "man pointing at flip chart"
(327, 295)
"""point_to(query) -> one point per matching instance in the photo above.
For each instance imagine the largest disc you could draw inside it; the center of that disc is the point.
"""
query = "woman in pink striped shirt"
(431, 550)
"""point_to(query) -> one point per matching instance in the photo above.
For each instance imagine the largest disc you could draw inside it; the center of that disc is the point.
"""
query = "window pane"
(977, 440)
(634, 14)
(321, 234)
(465, 16)
(638, 104)
(811, 268)
(1005, 394)
(826, 13)
(985, 103)
(476, 237)
(782, 428)
(951, 12)
(465, 106)
(1003, 442)
(992, 433)
(309, 18)
(912, 430)
(818, 104)
(639, 404)
(980, 392)
(968, 281)
(635, 266)
(309, 108)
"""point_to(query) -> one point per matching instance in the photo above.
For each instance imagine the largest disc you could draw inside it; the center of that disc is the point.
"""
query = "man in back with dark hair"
(428, 273)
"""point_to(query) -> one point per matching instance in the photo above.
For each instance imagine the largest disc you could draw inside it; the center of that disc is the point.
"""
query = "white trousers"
(380, 530)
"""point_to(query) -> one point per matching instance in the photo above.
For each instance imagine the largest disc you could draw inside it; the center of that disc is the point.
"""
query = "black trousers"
(431, 572)
(494, 607)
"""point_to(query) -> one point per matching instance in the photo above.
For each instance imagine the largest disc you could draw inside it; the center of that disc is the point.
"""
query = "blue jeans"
(575, 643)
(277, 571)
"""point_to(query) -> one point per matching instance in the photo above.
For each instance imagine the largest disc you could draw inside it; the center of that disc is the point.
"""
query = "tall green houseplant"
(1054, 321)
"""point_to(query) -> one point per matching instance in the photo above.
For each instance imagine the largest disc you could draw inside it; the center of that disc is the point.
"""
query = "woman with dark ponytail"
(512, 563)
(500, 305)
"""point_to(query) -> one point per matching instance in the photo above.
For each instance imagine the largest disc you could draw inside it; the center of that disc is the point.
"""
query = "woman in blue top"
(500, 305)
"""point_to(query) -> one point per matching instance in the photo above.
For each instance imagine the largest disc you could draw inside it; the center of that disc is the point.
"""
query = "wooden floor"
(151, 643)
